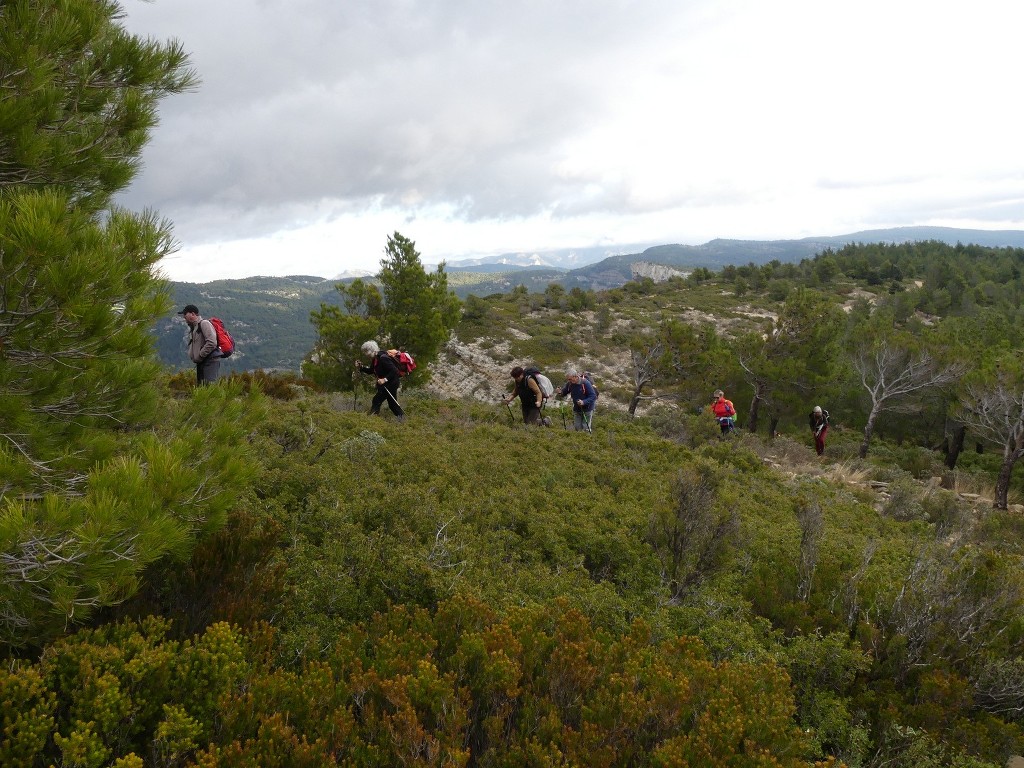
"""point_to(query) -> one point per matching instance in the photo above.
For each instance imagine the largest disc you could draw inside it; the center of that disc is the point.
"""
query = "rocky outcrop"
(659, 273)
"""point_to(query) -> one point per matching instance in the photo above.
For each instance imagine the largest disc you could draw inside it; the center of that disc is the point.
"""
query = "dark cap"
(189, 308)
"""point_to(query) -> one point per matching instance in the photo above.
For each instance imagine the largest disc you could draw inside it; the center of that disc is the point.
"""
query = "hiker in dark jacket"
(385, 370)
(819, 426)
(530, 397)
(583, 396)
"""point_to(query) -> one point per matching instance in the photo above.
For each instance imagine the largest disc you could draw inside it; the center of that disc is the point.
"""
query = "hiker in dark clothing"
(530, 397)
(819, 426)
(583, 396)
(383, 367)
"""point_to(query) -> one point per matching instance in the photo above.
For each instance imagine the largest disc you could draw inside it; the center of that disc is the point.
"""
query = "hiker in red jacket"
(724, 412)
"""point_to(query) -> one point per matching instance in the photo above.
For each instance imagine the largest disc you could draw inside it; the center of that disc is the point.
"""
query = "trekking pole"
(393, 400)
(588, 419)
(511, 418)
(561, 407)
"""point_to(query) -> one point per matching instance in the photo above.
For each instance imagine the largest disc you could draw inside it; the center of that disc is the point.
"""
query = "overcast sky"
(476, 127)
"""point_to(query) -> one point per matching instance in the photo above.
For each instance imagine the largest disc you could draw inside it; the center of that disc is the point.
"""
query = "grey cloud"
(460, 103)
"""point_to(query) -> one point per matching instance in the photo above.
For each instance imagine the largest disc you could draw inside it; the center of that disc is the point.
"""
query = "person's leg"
(391, 393)
(378, 400)
(208, 370)
(819, 441)
(531, 414)
(577, 421)
(588, 420)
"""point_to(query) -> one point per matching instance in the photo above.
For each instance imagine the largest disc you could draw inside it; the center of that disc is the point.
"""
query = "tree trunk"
(755, 405)
(635, 400)
(868, 429)
(1010, 458)
(955, 445)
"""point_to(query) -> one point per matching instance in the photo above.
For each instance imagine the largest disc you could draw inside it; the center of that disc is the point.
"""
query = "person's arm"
(589, 395)
(209, 339)
(535, 388)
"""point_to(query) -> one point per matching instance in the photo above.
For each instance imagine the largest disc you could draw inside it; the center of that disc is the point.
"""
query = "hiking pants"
(207, 371)
(582, 420)
(819, 441)
(531, 413)
(387, 392)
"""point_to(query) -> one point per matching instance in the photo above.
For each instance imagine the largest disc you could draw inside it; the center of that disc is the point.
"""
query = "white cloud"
(476, 127)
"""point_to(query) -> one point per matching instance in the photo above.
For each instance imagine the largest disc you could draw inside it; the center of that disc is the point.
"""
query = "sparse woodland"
(258, 573)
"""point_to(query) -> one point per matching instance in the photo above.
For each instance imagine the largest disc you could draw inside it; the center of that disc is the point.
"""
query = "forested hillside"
(270, 315)
(259, 573)
(464, 590)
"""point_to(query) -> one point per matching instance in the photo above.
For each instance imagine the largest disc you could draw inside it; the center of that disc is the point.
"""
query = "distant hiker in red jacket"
(724, 412)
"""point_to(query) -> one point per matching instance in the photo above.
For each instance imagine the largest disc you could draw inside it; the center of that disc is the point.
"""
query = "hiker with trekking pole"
(583, 396)
(531, 397)
(384, 368)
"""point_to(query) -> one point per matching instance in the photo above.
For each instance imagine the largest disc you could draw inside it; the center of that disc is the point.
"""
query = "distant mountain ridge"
(269, 316)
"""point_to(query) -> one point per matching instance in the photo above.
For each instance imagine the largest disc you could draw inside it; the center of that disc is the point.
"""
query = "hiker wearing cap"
(530, 397)
(202, 345)
(583, 396)
(384, 369)
(819, 426)
(724, 411)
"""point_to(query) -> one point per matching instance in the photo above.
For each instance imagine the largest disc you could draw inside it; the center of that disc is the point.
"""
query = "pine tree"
(419, 310)
(89, 495)
(413, 311)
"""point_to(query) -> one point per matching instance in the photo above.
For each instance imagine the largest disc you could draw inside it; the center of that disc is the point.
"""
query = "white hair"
(817, 409)
(370, 348)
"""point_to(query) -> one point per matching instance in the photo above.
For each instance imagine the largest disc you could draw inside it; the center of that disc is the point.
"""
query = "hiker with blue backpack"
(583, 395)
(388, 376)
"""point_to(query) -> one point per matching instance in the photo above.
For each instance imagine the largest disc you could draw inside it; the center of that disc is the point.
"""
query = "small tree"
(419, 310)
(796, 356)
(341, 333)
(412, 310)
(892, 367)
(992, 404)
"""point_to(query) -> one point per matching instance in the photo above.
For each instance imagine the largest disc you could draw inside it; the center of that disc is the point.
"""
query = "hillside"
(270, 315)
(647, 591)
(468, 591)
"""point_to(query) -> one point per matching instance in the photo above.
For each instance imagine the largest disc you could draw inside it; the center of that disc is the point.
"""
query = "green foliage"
(340, 333)
(96, 490)
(450, 686)
(411, 311)
(419, 310)
(76, 554)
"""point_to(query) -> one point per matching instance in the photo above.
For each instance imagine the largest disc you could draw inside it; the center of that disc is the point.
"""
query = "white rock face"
(469, 370)
(659, 273)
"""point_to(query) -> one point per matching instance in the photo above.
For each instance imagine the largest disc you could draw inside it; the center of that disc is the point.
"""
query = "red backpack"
(403, 360)
(225, 343)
